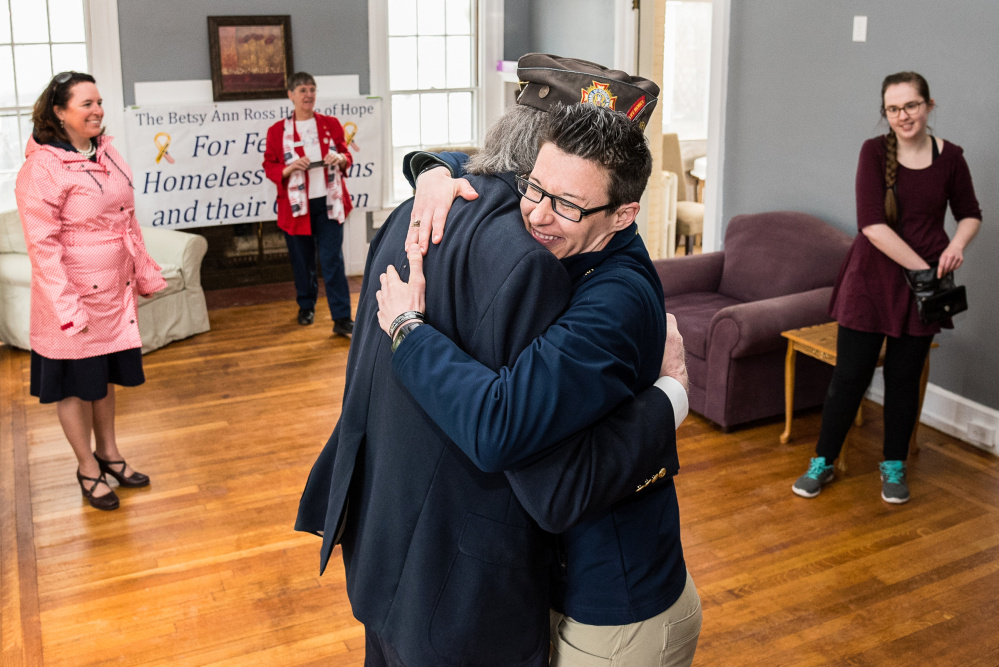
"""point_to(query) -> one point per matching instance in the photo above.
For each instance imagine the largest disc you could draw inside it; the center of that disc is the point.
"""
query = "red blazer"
(330, 132)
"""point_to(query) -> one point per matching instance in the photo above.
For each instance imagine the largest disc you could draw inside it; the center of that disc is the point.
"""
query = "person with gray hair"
(621, 591)
(447, 564)
(307, 159)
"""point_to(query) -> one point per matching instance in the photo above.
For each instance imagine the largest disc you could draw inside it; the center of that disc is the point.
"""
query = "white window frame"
(489, 84)
(104, 49)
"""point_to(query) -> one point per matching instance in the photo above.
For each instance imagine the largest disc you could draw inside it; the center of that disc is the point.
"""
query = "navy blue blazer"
(442, 560)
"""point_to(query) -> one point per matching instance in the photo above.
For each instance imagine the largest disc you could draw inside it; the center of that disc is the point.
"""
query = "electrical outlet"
(981, 433)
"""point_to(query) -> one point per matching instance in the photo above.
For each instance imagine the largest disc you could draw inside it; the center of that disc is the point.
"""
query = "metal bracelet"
(408, 315)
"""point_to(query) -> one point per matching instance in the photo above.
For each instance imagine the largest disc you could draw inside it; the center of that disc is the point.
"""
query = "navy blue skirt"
(55, 379)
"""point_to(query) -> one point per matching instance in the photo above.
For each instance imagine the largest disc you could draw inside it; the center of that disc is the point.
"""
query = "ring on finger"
(415, 223)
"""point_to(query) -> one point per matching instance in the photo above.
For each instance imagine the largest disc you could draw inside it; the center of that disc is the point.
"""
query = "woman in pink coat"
(88, 264)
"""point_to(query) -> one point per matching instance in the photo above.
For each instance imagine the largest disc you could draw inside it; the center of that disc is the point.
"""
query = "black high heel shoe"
(135, 480)
(107, 502)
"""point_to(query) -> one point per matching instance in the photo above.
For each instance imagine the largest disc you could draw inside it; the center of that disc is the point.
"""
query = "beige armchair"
(667, 245)
(689, 214)
(176, 312)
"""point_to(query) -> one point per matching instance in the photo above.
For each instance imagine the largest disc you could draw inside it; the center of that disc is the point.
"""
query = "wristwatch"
(403, 332)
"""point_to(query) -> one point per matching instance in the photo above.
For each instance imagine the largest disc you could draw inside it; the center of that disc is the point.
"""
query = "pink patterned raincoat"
(88, 261)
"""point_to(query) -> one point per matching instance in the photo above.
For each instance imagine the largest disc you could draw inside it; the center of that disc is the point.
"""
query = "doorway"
(645, 25)
(686, 79)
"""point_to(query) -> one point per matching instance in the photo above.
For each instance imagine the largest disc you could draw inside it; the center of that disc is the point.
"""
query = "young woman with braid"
(905, 181)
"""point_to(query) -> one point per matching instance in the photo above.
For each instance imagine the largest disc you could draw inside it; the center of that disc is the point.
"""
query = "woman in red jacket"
(307, 158)
(905, 180)
(88, 263)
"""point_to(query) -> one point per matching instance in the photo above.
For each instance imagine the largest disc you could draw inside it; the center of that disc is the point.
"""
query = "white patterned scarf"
(297, 196)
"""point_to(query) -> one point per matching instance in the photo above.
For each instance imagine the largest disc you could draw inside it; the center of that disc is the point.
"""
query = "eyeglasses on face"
(910, 108)
(565, 209)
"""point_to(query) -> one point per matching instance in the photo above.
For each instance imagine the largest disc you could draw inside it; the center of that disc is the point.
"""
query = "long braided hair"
(891, 141)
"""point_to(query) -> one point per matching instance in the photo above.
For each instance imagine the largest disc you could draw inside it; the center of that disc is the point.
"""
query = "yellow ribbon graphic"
(162, 141)
(350, 131)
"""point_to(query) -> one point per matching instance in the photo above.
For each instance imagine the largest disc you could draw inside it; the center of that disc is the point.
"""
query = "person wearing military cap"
(445, 564)
(616, 593)
(511, 142)
(548, 80)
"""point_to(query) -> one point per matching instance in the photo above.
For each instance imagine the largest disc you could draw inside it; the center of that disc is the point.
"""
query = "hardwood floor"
(203, 567)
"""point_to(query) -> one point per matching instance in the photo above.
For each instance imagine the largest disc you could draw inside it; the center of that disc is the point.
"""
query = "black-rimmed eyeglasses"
(910, 108)
(564, 208)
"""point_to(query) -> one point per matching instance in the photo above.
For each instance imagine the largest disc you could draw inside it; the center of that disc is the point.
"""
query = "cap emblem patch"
(599, 95)
(636, 108)
(543, 93)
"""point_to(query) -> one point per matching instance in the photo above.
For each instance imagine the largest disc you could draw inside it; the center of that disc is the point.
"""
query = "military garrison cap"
(546, 80)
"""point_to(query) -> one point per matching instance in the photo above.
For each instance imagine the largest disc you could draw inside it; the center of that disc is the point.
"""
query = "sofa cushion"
(11, 233)
(782, 252)
(693, 312)
(15, 269)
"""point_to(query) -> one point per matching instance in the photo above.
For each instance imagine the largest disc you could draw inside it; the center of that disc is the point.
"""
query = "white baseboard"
(955, 415)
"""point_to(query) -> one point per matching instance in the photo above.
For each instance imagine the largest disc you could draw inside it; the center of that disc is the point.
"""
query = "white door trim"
(714, 187)
(625, 35)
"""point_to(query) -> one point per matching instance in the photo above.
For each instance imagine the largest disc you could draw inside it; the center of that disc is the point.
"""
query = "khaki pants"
(668, 639)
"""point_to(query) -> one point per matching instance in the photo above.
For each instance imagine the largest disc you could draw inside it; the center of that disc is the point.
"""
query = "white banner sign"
(202, 164)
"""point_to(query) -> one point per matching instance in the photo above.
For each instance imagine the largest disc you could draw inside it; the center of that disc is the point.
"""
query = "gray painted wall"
(573, 28)
(168, 41)
(802, 98)
(518, 29)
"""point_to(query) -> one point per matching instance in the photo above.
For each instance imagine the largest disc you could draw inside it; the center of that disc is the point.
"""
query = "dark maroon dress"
(870, 293)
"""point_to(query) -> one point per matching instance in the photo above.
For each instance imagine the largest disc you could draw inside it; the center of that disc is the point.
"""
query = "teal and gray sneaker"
(893, 486)
(810, 484)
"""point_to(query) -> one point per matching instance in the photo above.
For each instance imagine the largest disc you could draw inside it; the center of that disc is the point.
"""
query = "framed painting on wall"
(251, 56)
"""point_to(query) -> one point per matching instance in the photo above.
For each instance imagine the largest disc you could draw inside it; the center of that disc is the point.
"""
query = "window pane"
(11, 154)
(402, 63)
(30, 22)
(460, 118)
(459, 17)
(4, 23)
(7, 96)
(400, 187)
(26, 127)
(432, 63)
(433, 119)
(67, 57)
(401, 17)
(405, 120)
(66, 20)
(459, 62)
(430, 17)
(33, 70)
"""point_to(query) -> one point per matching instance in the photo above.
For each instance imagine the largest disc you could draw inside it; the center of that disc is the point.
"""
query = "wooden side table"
(819, 342)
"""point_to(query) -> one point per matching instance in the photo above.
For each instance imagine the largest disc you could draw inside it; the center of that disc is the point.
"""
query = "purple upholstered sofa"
(776, 273)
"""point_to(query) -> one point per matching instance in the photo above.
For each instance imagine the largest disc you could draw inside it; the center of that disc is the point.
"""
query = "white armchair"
(176, 312)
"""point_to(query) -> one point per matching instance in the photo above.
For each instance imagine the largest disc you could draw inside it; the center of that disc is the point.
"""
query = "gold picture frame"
(250, 56)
